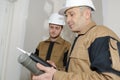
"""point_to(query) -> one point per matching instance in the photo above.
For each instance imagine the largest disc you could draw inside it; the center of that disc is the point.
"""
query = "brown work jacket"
(84, 65)
(58, 54)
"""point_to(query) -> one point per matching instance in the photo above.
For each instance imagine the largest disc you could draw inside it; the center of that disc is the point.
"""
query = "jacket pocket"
(114, 52)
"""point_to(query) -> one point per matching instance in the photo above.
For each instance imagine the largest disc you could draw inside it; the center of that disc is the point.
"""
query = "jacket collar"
(58, 40)
(87, 28)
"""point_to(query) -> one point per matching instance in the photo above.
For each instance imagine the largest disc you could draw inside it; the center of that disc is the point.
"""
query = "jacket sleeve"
(101, 57)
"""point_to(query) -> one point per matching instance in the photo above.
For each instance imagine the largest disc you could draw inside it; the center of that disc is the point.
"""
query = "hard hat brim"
(63, 10)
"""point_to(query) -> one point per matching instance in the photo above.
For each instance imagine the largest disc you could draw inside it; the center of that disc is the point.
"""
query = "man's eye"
(71, 14)
(57, 28)
(51, 27)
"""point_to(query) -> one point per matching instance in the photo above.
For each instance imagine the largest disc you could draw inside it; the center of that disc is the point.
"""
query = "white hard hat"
(56, 18)
(75, 3)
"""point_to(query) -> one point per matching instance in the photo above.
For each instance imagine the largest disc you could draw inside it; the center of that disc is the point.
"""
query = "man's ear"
(87, 13)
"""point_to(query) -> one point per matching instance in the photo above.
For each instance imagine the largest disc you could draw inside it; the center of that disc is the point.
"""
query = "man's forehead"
(54, 25)
(72, 9)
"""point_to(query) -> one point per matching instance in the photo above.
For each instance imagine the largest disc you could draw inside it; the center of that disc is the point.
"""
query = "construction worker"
(55, 48)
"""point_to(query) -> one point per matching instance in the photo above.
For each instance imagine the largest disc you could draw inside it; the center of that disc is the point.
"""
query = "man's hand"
(48, 75)
(52, 63)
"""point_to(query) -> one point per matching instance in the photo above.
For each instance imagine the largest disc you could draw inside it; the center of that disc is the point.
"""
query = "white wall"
(98, 14)
(111, 15)
(12, 30)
